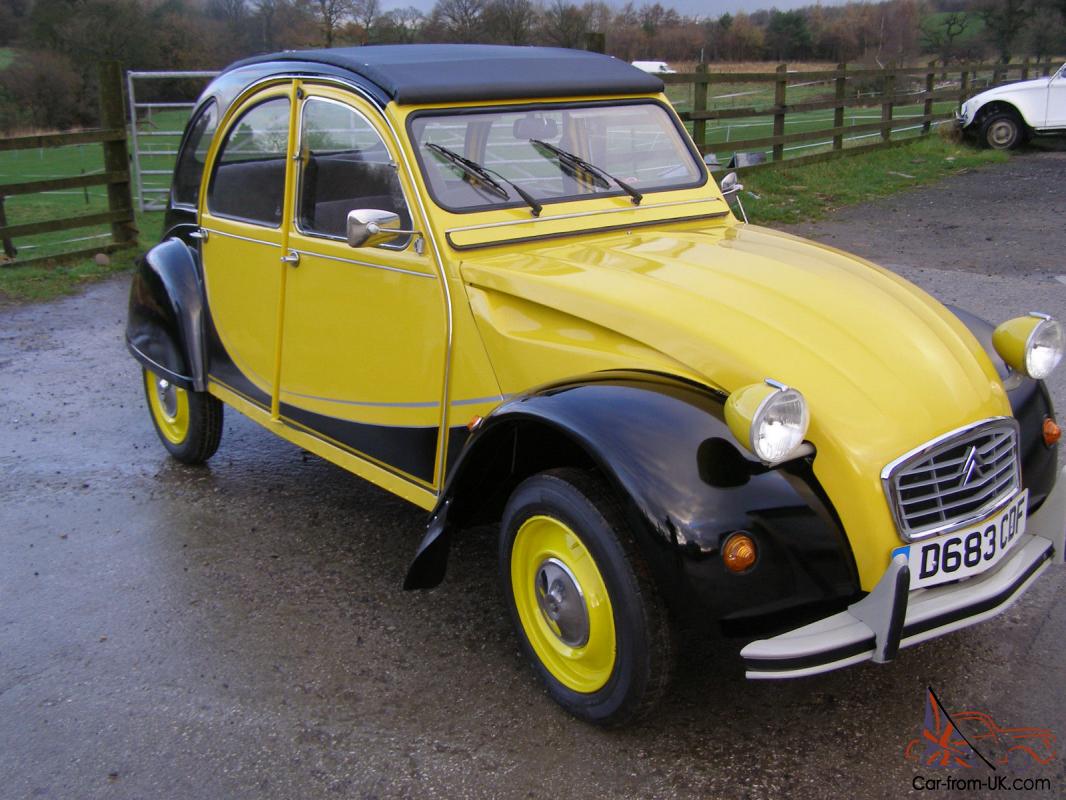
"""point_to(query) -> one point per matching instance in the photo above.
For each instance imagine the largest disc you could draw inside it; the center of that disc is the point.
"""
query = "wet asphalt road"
(239, 631)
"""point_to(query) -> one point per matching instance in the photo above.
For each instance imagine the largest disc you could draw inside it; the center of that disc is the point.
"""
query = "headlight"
(769, 417)
(1032, 345)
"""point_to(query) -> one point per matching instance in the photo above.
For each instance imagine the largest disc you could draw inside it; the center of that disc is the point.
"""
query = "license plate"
(969, 551)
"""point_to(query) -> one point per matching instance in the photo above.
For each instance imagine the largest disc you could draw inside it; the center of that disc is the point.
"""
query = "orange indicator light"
(739, 552)
(1052, 432)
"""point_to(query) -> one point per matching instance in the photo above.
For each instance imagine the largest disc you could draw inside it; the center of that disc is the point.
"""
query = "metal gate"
(155, 150)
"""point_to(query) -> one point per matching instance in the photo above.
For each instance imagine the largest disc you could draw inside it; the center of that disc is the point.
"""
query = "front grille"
(954, 480)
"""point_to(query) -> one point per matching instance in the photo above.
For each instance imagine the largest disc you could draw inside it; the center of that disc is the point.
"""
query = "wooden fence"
(115, 176)
(841, 90)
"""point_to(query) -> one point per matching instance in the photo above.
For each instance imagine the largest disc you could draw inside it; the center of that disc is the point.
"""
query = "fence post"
(927, 109)
(964, 86)
(838, 109)
(9, 246)
(1025, 69)
(888, 100)
(779, 110)
(699, 103)
(116, 156)
(1047, 67)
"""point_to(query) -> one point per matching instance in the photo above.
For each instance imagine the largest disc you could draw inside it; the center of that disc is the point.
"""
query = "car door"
(1056, 101)
(365, 329)
(242, 215)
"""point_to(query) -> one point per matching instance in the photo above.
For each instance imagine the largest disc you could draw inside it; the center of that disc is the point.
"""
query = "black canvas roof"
(428, 73)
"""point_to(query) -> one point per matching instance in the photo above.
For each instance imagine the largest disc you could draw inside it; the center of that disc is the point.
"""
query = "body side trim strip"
(368, 264)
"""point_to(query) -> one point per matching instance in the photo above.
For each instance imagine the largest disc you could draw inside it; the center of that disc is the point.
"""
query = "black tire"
(1002, 130)
(192, 435)
(642, 635)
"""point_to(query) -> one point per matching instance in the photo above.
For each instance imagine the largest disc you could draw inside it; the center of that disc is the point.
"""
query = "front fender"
(687, 484)
(1031, 404)
(164, 327)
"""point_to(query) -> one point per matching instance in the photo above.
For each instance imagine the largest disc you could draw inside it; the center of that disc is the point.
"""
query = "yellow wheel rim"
(170, 407)
(563, 604)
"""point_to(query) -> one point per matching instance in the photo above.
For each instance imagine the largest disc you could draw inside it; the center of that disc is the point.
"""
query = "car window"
(638, 143)
(249, 175)
(344, 165)
(190, 166)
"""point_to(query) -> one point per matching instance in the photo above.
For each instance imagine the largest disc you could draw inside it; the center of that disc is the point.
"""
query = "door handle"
(292, 258)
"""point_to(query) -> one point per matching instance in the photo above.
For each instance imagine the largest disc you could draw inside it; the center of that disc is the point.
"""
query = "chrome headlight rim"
(770, 419)
(1045, 325)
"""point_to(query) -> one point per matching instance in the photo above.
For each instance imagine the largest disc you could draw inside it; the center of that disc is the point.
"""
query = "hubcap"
(1002, 133)
(563, 605)
(169, 406)
(168, 397)
(561, 602)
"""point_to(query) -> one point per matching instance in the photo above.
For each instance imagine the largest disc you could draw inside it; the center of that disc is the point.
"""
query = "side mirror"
(369, 227)
(730, 184)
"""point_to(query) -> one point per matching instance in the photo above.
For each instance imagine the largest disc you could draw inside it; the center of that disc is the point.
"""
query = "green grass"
(43, 282)
(785, 195)
(7, 55)
(809, 192)
(40, 282)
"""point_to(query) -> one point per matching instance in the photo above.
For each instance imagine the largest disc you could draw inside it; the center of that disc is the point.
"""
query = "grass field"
(784, 194)
(799, 194)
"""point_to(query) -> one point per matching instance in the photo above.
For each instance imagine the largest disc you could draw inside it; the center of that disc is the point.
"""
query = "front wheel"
(189, 424)
(1002, 131)
(586, 611)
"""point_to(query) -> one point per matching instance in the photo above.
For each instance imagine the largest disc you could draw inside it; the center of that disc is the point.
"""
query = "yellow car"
(500, 283)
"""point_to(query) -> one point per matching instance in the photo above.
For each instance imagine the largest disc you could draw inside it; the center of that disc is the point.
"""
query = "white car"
(1005, 116)
(655, 67)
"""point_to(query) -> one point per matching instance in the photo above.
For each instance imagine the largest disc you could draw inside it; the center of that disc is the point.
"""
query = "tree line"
(60, 41)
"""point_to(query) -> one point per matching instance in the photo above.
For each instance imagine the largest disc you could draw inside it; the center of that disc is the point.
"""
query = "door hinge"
(292, 258)
(199, 233)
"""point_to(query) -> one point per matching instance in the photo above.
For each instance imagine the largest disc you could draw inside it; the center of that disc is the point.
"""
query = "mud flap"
(430, 562)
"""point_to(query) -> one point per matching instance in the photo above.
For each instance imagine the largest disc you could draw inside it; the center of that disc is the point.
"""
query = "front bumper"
(891, 617)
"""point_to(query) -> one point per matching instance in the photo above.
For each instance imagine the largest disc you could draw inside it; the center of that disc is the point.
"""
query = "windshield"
(637, 143)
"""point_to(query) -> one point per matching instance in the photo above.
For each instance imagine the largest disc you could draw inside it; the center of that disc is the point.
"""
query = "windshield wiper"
(484, 175)
(573, 162)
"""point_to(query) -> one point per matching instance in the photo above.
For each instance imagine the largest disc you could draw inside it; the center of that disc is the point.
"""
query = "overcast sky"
(700, 8)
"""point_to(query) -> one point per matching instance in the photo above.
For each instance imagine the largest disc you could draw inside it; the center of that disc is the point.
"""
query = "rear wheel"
(189, 423)
(1002, 130)
(584, 606)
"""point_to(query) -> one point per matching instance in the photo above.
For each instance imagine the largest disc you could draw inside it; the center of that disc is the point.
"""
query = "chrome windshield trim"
(580, 214)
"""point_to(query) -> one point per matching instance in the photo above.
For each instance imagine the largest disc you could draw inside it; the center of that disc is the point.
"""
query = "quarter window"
(249, 178)
(190, 168)
(344, 166)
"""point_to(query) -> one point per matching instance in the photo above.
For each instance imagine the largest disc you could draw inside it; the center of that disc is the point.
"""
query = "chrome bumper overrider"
(891, 617)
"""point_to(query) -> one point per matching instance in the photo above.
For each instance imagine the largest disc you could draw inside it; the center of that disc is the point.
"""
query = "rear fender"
(165, 323)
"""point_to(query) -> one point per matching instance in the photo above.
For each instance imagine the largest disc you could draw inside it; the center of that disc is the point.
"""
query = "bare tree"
(402, 25)
(1004, 20)
(331, 13)
(461, 20)
(366, 13)
(564, 24)
(510, 21)
(940, 36)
